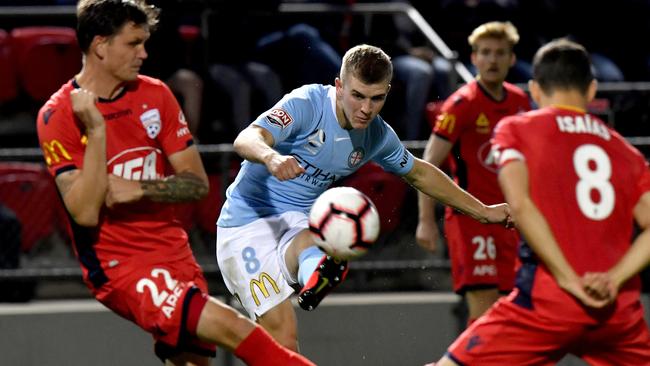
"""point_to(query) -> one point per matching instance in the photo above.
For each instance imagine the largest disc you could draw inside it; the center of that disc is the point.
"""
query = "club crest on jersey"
(151, 122)
(279, 117)
(356, 157)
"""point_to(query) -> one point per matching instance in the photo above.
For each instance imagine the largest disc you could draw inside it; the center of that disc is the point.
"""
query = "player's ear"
(472, 57)
(339, 87)
(513, 59)
(535, 91)
(98, 46)
(591, 91)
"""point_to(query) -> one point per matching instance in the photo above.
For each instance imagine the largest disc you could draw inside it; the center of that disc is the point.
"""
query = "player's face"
(124, 53)
(492, 58)
(357, 103)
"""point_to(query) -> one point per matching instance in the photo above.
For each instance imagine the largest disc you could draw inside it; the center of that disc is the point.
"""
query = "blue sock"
(307, 263)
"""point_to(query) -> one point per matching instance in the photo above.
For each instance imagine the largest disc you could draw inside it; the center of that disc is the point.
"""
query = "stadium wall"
(392, 329)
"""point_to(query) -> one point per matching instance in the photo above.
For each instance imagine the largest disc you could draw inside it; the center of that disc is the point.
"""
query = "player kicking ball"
(311, 138)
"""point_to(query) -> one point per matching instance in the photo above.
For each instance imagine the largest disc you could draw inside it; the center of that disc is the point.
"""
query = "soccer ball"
(344, 222)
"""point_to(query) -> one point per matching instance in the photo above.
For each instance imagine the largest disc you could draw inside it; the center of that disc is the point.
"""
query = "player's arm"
(427, 233)
(83, 190)
(638, 256)
(189, 183)
(513, 179)
(430, 180)
(254, 144)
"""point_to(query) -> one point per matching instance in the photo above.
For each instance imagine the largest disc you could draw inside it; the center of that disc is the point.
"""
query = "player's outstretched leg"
(329, 274)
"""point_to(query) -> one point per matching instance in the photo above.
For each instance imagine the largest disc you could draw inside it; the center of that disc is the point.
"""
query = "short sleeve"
(644, 182)
(506, 146)
(60, 138)
(175, 133)
(393, 155)
(449, 123)
(287, 117)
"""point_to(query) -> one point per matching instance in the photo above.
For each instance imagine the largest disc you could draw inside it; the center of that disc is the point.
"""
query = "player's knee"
(285, 335)
(282, 326)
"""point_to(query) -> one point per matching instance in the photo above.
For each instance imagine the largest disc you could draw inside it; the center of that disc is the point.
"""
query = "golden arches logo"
(261, 286)
(52, 151)
(446, 121)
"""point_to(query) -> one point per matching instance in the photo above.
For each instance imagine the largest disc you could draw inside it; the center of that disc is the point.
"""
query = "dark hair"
(562, 64)
(367, 63)
(106, 18)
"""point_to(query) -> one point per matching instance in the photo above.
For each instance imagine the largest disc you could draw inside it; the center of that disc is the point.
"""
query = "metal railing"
(388, 8)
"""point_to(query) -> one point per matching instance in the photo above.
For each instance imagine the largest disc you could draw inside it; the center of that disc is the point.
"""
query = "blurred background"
(227, 62)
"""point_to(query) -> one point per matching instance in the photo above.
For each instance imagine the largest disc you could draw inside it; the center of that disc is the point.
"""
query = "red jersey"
(144, 125)
(466, 120)
(586, 180)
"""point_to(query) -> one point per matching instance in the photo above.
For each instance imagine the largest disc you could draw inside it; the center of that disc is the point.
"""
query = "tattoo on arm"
(182, 187)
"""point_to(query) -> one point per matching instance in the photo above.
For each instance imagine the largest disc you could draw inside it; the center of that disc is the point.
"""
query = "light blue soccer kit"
(304, 125)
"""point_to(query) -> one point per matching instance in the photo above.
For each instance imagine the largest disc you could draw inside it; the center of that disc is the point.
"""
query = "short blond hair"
(368, 63)
(497, 30)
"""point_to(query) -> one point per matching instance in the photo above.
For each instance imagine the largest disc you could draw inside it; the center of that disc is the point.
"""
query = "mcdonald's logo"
(261, 286)
(446, 121)
(52, 150)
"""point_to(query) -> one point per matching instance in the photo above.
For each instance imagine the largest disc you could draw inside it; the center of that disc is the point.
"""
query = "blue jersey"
(304, 125)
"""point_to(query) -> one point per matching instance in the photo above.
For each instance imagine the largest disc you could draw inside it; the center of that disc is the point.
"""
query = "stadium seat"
(386, 190)
(30, 192)
(45, 58)
(8, 83)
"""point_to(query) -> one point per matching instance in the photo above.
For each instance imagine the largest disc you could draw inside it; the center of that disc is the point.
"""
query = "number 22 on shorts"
(166, 301)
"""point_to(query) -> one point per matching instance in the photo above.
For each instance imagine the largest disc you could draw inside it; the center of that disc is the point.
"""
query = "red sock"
(259, 349)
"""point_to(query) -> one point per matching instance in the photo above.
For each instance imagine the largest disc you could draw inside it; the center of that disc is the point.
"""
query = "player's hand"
(499, 214)
(84, 106)
(426, 235)
(599, 285)
(576, 288)
(122, 190)
(284, 167)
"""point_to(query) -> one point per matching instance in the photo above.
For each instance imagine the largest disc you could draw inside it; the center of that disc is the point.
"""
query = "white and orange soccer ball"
(344, 222)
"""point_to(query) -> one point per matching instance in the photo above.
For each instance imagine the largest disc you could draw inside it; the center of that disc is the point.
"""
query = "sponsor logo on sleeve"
(151, 122)
(279, 117)
(181, 118)
(54, 151)
(446, 122)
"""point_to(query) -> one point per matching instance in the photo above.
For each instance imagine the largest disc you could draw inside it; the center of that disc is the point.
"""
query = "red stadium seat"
(45, 58)
(386, 190)
(30, 192)
(8, 83)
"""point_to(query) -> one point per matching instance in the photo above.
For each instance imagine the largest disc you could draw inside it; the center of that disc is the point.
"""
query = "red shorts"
(482, 255)
(510, 334)
(153, 292)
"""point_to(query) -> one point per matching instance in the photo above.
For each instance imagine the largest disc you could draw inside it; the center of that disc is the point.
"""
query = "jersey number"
(485, 248)
(161, 298)
(594, 168)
